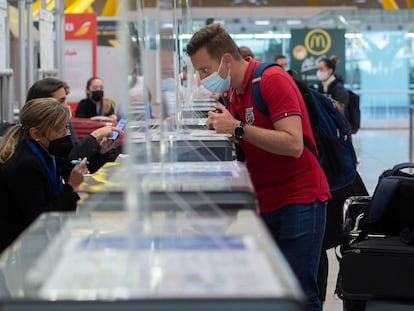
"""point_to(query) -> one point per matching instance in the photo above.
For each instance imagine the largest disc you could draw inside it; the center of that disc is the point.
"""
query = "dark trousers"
(298, 231)
(333, 227)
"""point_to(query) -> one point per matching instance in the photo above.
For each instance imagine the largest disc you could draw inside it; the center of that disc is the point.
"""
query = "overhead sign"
(309, 46)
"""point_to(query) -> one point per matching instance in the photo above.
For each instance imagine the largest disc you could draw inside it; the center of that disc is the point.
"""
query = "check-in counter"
(198, 186)
(198, 109)
(189, 146)
(108, 261)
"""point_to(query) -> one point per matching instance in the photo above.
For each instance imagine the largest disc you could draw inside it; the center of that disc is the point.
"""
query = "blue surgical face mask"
(216, 84)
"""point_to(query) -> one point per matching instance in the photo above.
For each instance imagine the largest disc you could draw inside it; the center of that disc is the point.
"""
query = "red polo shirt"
(278, 180)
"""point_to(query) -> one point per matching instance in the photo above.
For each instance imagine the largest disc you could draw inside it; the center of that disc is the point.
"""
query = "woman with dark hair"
(31, 177)
(95, 106)
(330, 85)
(47, 87)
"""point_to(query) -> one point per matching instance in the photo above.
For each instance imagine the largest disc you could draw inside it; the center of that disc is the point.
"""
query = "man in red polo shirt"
(291, 187)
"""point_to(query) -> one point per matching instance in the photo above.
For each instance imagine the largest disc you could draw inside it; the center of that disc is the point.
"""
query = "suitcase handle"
(401, 166)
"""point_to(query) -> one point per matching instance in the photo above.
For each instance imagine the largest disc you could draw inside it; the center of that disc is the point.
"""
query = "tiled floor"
(377, 150)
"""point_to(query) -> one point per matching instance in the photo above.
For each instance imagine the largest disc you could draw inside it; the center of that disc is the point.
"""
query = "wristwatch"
(239, 131)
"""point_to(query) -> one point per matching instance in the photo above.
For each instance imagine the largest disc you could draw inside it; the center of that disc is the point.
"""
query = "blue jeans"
(298, 230)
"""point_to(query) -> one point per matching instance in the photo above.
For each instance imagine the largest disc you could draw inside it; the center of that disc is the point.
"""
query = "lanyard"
(100, 109)
(57, 187)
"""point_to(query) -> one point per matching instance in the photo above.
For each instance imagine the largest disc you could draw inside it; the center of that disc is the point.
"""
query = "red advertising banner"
(80, 52)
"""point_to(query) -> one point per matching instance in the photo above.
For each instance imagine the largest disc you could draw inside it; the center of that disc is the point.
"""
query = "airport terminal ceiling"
(261, 16)
(358, 3)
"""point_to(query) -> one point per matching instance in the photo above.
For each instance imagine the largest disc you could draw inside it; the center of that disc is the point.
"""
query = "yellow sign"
(318, 41)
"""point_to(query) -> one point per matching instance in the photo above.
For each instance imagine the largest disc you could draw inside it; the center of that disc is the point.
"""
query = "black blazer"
(89, 147)
(337, 91)
(26, 191)
(87, 108)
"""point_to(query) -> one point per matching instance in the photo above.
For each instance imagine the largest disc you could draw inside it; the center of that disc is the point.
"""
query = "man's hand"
(221, 120)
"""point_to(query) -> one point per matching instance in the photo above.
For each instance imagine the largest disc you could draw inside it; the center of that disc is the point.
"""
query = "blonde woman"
(31, 179)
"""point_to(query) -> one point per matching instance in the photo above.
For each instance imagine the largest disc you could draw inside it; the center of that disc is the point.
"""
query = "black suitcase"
(377, 268)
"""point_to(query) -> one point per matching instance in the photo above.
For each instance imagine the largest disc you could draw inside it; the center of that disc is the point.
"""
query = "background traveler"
(246, 51)
(282, 61)
(330, 85)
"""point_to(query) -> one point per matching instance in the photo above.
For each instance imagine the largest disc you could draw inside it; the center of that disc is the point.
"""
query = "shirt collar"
(248, 74)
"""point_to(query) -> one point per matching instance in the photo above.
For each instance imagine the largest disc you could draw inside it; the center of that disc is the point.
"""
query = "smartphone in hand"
(121, 125)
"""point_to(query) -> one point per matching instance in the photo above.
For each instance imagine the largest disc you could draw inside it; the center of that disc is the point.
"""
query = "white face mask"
(322, 75)
(216, 84)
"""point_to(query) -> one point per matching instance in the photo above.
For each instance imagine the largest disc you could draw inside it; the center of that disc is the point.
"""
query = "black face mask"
(61, 147)
(97, 95)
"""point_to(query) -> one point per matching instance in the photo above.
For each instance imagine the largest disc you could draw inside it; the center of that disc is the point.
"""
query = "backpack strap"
(256, 94)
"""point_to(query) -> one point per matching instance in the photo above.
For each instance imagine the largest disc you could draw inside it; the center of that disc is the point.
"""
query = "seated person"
(96, 146)
(30, 175)
(95, 106)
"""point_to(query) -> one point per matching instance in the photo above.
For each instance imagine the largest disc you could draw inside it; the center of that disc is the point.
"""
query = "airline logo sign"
(318, 42)
(80, 26)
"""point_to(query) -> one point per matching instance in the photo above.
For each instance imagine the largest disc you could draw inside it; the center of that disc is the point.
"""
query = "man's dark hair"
(245, 51)
(280, 56)
(216, 40)
(45, 88)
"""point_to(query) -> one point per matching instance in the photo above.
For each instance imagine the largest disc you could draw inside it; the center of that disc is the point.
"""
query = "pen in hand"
(76, 162)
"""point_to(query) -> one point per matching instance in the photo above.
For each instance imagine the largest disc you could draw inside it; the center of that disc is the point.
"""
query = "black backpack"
(353, 112)
(336, 154)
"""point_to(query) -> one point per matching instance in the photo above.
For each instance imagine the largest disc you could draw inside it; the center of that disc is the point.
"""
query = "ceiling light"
(293, 22)
(262, 22)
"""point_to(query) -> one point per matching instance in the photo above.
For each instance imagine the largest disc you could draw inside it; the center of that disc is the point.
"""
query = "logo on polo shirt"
(249, 114)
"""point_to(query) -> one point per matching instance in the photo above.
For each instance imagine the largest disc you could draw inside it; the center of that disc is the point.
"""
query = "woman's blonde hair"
(44, 114)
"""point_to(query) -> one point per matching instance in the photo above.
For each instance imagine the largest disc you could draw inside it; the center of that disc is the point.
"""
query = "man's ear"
(228, 60)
